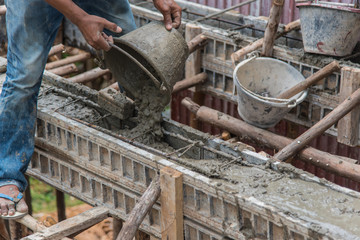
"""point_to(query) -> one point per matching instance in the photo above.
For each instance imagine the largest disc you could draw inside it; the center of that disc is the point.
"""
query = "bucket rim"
(329, 6)
(276, 102)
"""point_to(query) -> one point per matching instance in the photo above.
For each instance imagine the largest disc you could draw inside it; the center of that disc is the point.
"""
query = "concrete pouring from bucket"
(329, 28)
(259, 76)
(161, 52)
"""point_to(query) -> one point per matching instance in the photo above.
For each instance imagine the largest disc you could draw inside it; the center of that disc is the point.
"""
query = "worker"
(32, 26)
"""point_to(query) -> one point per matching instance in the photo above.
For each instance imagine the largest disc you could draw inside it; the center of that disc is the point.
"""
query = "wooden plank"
(117, 225)
(171, 183)
(348, 126)
(193, 67)
(71, 225)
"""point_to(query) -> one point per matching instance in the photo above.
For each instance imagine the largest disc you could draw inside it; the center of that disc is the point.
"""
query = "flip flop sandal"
(15, 200)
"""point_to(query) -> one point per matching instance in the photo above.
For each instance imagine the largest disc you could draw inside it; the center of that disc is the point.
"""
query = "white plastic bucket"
(260, 75)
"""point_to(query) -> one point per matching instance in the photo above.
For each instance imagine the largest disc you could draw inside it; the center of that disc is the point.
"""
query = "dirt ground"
(101, 231)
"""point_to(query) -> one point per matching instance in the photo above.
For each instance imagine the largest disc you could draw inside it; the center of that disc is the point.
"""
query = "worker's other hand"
(92, 28)
(171, 12)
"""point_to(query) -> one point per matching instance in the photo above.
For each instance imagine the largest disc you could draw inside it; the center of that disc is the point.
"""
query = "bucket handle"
(152, 77)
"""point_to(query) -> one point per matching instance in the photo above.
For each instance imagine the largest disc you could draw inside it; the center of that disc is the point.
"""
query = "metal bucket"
(256, 77)
(329, 28)
(163, 53)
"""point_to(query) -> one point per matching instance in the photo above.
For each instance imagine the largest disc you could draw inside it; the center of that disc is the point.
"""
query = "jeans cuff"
(4, 182)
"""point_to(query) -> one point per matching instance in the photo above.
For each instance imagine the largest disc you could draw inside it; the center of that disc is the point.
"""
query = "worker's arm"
(90, 26)
(171, 12)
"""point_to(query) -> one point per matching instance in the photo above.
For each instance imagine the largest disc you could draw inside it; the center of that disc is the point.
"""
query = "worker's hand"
(92, 28)
(171, 12)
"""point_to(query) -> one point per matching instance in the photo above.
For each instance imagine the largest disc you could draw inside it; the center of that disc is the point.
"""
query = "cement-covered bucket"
(161, 52)
(257, 81)
(329, 28)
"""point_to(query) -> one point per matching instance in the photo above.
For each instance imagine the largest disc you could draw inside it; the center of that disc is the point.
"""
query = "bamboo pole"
(339, 165)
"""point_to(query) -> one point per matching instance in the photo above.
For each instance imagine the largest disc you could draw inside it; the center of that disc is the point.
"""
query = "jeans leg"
(31, 28)
(117, 11)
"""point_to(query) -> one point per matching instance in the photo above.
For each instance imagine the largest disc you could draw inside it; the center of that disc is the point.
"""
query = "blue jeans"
(32, 26)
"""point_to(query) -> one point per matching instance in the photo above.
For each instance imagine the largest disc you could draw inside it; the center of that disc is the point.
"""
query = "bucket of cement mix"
(161, 52)
(329, 28)
(257, 81)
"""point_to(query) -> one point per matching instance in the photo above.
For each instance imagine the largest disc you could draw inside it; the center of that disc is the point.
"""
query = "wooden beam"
(2, 10)
(172, 225)
(196, 43)
(348, 126)
(56, 49)
(89, 76)
(190, 82)
(193, 67)
(72, 59)
(140, 210)
(72, 225)
(320, 127)
(314, 78)
(263, 137)
(64, 70)
(271, 27)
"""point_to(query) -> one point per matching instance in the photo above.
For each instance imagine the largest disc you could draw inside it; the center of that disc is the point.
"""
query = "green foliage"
(44, 197)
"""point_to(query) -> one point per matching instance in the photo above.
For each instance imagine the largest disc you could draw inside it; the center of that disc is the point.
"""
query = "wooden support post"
(64, 70)
(4, 235)
(193, 67)
(320, 127)
(60, 204)
(140, 210)
(89, 76)
(68, 60)
(271, 27)
(17, 231)
(339, 165)
(190, 82)
(348, 126)
(72, 225)
(172, 225)
(2, 10)
(117, 225)
(28, 198)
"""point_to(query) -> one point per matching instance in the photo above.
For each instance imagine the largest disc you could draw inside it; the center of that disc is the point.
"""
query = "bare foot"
(7, 207)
